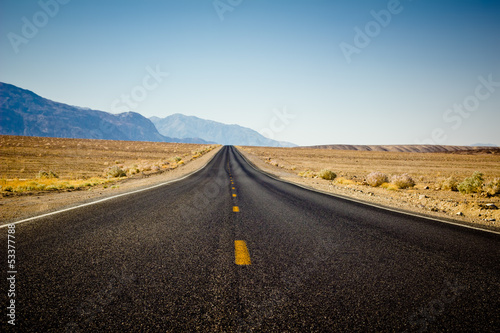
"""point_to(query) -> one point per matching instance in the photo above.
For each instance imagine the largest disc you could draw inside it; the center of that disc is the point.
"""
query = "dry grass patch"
(390, 186)
(49, 184)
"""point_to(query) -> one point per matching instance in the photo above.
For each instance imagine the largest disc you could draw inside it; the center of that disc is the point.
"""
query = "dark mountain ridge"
(23, 112)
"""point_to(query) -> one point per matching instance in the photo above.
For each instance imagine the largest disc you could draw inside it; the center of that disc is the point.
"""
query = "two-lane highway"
(230, 249)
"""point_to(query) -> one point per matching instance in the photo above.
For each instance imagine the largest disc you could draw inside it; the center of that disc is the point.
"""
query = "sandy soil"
(24, 156)
(424, 199)
(13, 208)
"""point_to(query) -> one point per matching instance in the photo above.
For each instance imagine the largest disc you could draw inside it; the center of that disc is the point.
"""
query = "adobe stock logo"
(455, 116)
(278, 123)
(140, 92)
(30, 28)
(221, 7)
(373, 28)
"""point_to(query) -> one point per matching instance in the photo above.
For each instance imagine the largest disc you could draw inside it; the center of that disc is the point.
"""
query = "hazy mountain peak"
(182, 126)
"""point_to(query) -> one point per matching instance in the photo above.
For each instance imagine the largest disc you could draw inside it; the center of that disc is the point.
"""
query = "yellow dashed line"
(234, 195)
(233, 188)
(236, 209)
(241, 254)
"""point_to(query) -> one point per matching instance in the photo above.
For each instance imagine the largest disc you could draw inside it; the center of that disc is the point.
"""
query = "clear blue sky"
(263, 56)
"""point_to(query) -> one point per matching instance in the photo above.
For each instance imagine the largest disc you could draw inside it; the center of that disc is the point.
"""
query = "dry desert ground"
(38, 174)
(432, 173)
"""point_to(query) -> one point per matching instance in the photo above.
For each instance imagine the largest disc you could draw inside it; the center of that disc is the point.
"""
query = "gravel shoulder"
(447, 206)
(13, 208)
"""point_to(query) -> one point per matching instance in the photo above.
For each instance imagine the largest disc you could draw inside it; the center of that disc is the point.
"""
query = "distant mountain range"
(181, 126)
(23, 112)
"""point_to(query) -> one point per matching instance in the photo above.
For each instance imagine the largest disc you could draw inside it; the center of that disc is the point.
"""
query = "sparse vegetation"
(450, 184)
(473, 184)
(116, 171)
(493, 187)
(327, 174)
(344, 181)
(437, 176)
(389, 186)
(26, 165)
(403, 181)
(46, 175)
(376, 179)
(48, 184)
(308, 174)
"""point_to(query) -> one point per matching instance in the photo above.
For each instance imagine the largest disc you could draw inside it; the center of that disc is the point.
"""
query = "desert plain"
(39, 175)
(432, 172)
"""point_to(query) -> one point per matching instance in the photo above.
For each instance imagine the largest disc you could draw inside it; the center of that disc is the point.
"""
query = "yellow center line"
(234, 188)
(236, 209)
(241, 254)
(234, 195)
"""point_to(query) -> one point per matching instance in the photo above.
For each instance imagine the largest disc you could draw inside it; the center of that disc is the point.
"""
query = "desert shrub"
(307, 174)
(473, 184)
(450, 184)
(177, 159)
(376, 179)
(133, 171)
(327, 174)
(493, 187)
(47, 175)
(403, 181)
(116, 171)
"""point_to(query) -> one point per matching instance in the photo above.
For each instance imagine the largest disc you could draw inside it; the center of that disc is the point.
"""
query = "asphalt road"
(164, 260)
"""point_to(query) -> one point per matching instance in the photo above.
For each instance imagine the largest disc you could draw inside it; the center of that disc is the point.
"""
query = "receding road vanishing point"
(230, 249)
